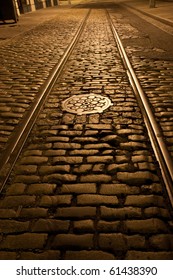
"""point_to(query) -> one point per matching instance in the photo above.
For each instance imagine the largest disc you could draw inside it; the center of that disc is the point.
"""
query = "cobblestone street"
(85, 186)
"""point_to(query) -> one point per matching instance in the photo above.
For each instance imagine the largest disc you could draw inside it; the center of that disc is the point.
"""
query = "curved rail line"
(154, 131)
(17, 141)
(9, 157)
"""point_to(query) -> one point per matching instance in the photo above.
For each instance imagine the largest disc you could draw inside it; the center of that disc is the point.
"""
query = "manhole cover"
(86, 104)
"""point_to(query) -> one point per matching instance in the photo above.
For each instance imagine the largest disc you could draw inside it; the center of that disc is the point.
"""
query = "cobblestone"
(139, 255)
(13, 226)
(79, 188)
(84, 186)
(15, 201)
(144, 200)
(84, 241)
(54, 200)
(92, 199)
(137, 178)
(162, 241)
(50, 225)
(41, 189)
(88, 255)
(95, 178)
(120, 213)
(108, 227)
(115, 242)
(48, 255)
(84, 226)
(76, 212)
(24, 241)
(117, 189)
(146, 226)
(33, 213)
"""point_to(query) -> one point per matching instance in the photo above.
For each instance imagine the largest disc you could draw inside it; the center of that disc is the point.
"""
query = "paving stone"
(76, 212)
(113, 168)
(41, 189)
(144, 200)
(115, 242)
(28, 179)
(83, 168)
(33, 213)
(79, 188)
(133, 145)
(84, 152)
(94, 159)
(97, 146)
(7, 226)
(7, 213)
(122, 158)
(88, 255)
(129, 131)
(55, 200)
(68, 119)
(137, 178)
(84, 241)
(51, 225)
(108, 227)
(55, 178)
(16, 201)
(136, 242)
(85, 139)
(68, 160)
(16, 189)
(26, 169)
(66, 146)
(34, 159)
(84, 226)
(95, 178)
(152, 188)
(33, 153)
(43, 170)
(94, 199)
(99, 126)
(48, 255)
(113, 139)
(8, 255)
(152, 225)
(117, 189)
(120, 213)
(162, 242)
(57, 139)
(141, 158)
(140, 255)
(24, 241)
(156, 212)
(54, 153)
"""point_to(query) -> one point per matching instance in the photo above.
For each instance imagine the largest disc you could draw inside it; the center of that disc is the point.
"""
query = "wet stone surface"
(87, 186)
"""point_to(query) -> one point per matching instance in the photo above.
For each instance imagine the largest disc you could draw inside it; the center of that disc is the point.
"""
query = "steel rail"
(154, 131)
(17, 141)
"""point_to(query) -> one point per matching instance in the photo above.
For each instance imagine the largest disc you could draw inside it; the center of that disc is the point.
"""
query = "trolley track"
(155, 133)
(9, 157)
(87, 185)
(16, 143)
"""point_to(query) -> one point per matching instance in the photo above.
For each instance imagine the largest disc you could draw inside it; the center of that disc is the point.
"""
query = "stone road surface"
(85, 186)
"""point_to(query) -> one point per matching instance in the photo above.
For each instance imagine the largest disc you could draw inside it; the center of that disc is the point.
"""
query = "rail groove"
(155, 134)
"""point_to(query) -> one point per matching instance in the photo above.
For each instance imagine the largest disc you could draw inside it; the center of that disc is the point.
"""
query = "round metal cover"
(86, 104)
